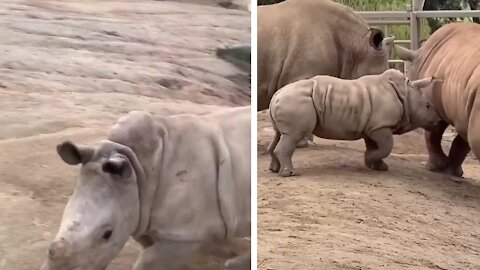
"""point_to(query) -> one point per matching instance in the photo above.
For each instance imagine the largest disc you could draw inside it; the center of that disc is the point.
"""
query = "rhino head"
(418, 111)
(372, 56)
(103, 210)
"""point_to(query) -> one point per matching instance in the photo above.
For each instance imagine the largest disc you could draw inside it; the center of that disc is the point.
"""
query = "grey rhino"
(299, 39)
(451, 53)
(172, 183)
(373, 107)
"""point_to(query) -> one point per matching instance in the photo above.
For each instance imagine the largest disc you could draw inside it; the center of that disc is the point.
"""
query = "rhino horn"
(422, 83)
(389, 40)
(404, 53)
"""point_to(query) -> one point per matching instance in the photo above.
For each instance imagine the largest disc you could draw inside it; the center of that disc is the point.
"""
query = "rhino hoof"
(454, 171)
(303, 143)
(288, 173)
(237, 263)
(379, 166)
(437, 164)
(274, 167)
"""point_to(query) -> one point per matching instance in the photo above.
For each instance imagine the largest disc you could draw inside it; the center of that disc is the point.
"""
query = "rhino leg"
(437, 160)
(239, 263)
(165, 255)
(274, 162)
(379, 145)
(458, 152)
(474, 129)
(284, 151)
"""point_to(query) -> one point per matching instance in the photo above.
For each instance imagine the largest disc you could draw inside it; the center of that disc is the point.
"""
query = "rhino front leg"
(379, 145)
(458, 152)
(165, 255)
(437, 160)
(239, 263)
(284, 151)
(474, 129)
(274, 162)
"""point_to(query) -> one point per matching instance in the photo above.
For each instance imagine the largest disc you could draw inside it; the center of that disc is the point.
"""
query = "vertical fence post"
(415, 24)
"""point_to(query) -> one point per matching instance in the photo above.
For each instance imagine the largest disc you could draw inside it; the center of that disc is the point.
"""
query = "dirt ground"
(340, 215)
(70, 69)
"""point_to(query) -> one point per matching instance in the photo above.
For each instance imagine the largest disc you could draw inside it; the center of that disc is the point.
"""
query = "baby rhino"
(373, 107)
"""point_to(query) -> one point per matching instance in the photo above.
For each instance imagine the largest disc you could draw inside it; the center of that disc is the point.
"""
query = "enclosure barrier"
(412, 16)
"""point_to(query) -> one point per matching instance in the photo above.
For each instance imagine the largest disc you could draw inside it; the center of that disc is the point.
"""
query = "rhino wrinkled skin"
(373, 107)
(299, 39)
(172, 183)
(451, 53)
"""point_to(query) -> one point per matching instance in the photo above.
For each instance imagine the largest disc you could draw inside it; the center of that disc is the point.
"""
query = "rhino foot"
(303, 143)
(288, 172)
(378, 166)
(274, 166)
(437, 163)
(456, 171)
(238, 263)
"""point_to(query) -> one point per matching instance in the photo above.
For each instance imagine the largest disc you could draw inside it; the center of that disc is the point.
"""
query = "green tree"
(436, 23)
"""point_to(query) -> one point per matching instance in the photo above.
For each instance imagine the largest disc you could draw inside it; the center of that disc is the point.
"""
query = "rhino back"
(452, 54)
(301, 39)
(352, 109)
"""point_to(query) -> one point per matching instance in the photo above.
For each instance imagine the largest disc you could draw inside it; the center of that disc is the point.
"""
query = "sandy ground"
(340, 215)
(69, 69)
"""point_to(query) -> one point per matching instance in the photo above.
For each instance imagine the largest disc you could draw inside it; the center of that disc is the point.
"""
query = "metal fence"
(412, 16)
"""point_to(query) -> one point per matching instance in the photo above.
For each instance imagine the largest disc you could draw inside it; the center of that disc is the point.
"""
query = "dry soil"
(338, 214)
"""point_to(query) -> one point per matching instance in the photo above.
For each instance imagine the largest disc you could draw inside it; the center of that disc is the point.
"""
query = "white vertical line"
(254, 131)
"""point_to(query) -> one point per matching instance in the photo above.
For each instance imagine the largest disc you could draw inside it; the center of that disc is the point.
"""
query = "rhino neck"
(403, 125)
(143, 140)
(146, 186)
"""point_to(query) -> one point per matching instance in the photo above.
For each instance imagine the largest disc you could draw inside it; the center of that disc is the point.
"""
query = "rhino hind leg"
(274, 162)
(379, 145)
(437, 160)
(284, 151)
(165, 255)
(458, 152)
(239, 263)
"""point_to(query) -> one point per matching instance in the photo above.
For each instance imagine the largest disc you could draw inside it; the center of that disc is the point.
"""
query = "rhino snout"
(59, 249)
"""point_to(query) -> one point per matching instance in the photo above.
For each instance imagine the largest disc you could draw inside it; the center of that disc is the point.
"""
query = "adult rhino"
(451, 53)
(299, 39)
(172, 183)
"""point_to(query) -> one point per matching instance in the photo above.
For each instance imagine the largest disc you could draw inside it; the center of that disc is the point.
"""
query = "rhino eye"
(428, 105)
(107, 235)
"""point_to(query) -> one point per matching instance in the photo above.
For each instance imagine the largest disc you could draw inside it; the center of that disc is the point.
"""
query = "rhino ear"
(376, 38)
(74, 154)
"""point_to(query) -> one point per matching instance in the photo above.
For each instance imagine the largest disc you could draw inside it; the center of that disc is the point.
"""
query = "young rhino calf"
(373, 107)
